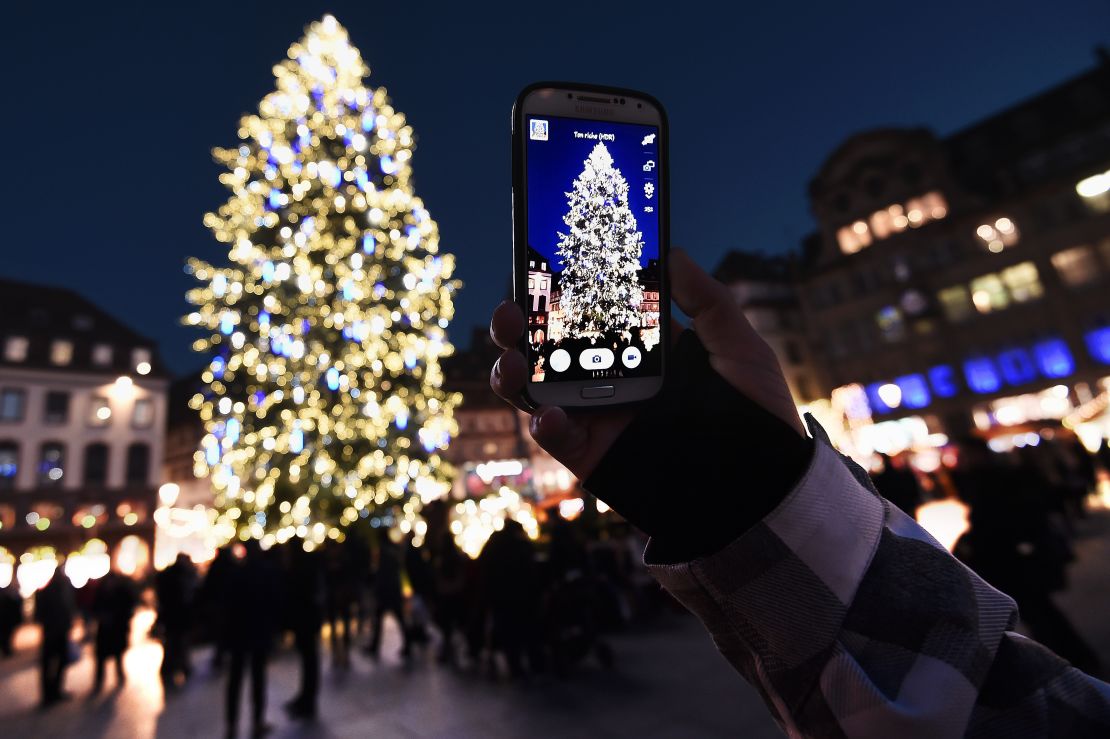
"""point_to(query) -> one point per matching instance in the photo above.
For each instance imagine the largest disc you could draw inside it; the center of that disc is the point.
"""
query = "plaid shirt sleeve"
(852, 621)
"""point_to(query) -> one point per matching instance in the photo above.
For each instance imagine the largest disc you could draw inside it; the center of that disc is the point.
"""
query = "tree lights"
(324, 397)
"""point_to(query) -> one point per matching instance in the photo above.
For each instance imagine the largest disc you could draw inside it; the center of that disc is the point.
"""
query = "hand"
(580, 440)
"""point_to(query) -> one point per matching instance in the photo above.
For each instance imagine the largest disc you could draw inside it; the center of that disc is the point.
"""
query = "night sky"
(111, 109)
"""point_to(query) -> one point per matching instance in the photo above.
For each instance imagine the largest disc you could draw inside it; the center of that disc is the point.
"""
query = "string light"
(324, 399)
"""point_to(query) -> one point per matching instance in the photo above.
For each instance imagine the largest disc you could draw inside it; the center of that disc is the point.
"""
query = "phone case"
(520, 276)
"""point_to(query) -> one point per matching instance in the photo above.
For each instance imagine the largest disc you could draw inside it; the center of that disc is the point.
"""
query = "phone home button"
(602, 391)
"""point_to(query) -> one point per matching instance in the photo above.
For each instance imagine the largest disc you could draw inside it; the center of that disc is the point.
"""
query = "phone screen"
(593, 266)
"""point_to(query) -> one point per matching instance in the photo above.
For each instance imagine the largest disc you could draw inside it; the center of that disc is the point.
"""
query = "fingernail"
(497, 369)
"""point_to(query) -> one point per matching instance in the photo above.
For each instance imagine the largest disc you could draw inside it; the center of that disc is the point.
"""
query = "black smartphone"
(590, 242)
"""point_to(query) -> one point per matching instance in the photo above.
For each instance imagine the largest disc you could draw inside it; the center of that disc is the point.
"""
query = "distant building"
(82, 416)
(539, 296)
(764, 288)
(962, 282)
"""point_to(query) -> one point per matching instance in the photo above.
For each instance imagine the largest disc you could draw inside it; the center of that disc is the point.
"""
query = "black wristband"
(701, 463)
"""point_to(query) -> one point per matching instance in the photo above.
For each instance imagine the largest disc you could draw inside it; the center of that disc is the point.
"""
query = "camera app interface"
(593, 249)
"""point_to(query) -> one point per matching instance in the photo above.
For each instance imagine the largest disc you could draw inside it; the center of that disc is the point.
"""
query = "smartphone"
(590, 242)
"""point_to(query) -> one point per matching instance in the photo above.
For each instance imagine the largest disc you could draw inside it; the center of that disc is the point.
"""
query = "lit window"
(140, 357)
(61, 352)
(57, 407)
(891, 326)
(1095, 191)
(1023, 282)
(9, 464)
(998, 234)
(854, 237)
(143, 415)
(102, 355)
(956, 303)
(1076, 266)
(12, 403)
(100, 412)
(15, 348)
(51, 464)
(989, 294)
(934, 206)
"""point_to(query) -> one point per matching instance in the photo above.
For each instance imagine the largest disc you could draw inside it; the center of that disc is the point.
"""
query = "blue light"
(232, 430)
(274, 199)
(334, 175)
(348, 290)
(873, 399)
(1054, 358)
(915, 393)
(212, 453)
(363, 180)
(428, 444)
(264, 320)
(296, 440)
(227, 323)
(402, 420)
(387, 164)
(368, 120)
(218, 366)
(943, 380)
(332, 378)
(368, 243)
(981, 375)
(1016, 366)
(259, 396)
(379, 290)
(410, 362)
(268, 271)
(1098, 344)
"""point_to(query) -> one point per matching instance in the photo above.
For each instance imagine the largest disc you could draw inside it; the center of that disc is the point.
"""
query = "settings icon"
(649, 189)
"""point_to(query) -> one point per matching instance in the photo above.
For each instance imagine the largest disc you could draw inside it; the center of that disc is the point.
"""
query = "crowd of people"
(520, 608)
(1023, 506)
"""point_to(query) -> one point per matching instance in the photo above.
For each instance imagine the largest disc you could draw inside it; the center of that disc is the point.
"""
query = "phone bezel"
(561, 99)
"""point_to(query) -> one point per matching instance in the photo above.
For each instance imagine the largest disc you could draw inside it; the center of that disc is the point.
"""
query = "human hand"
(581, 439)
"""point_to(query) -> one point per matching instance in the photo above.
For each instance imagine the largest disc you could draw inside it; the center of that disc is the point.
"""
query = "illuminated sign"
(1015, 366)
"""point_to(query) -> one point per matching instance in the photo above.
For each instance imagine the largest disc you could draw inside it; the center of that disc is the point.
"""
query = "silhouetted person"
(54, 610)
(212, 602)
(449, 571)
(253, 603)
(510, 576)
(305, 607)
(388, 597)
(1012, 545)
(898, 484)
(112, 608)
(11, 615)
(341, 581)
(421, 576)
(176, 589)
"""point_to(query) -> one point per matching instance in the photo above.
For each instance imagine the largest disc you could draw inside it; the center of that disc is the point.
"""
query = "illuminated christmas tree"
(324, 401)
(600, 253)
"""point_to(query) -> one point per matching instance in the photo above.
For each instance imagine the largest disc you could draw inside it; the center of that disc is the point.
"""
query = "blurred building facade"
(961, 283)
(82, 418)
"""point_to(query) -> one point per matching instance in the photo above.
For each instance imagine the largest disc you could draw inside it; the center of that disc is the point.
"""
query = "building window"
(57, 407)
(61, 352)
(1076, 266)
(96, 465)
(138, 464)
(893, 219)
(1023, 282)
(891, 326)
(998, 234)
(140, 360)
(102, 355)
(9, 464)
(51, 464)
(100, 412)
(956, 303)
(1095, 191)
(12, 404)
(989, 294)
(15, 348)
(143, 415)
